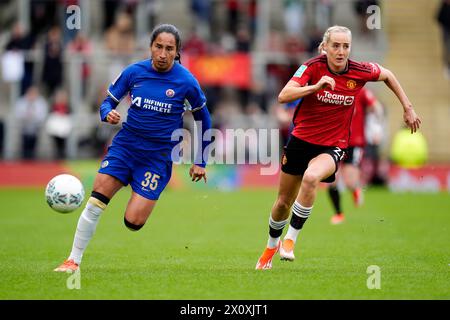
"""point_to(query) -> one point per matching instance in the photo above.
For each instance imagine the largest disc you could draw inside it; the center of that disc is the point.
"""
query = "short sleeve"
(375, 71)
(303, 74)
(195, 98)
(121, 85)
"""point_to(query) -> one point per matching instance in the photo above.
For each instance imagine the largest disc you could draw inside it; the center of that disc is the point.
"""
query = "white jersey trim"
(198, 108)
(112, 96)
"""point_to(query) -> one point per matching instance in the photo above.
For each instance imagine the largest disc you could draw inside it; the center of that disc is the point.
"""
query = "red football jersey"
(363, 101)
(324, 117)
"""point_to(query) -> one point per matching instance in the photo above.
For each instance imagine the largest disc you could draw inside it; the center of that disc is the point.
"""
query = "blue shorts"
(145, 165)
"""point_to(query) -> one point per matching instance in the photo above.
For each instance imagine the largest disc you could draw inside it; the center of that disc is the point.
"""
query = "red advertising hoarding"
(221, 70)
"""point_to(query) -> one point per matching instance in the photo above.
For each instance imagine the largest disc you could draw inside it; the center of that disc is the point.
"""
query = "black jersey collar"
(338, 73)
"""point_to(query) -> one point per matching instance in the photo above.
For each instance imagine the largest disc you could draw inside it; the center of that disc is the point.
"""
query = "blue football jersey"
(158, 99)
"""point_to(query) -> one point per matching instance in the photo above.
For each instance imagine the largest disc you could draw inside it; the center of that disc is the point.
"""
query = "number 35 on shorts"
(150, 181)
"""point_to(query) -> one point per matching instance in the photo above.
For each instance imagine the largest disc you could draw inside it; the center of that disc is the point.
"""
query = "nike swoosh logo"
(137, 85)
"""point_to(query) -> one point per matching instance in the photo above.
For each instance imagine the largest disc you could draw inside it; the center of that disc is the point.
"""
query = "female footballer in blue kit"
(140, 153)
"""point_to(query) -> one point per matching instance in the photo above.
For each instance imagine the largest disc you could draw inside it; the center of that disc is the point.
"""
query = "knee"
(133, 224)
(284, 204)
(310, 180)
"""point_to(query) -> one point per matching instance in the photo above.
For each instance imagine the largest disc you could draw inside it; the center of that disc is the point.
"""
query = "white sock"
(292, 233)
(299, 216)
(276, 225)
(86, 228)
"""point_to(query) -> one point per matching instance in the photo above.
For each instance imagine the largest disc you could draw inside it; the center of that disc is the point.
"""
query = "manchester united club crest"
(170, 93)
(351, 84)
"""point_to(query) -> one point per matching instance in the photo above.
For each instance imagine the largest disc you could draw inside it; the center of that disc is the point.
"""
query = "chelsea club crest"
(170, 93)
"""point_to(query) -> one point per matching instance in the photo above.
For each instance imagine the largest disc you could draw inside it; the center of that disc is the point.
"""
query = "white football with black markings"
(64, 193)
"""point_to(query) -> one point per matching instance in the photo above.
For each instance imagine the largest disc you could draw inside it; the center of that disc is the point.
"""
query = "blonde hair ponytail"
(327, 34)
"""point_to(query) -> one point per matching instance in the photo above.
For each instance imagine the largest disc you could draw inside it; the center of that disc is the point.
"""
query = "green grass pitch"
(204, 244)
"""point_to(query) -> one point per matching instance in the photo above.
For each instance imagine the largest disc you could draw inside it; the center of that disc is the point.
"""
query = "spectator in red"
(83, 47)
(52, 73)
(59, 124)
(194, 44)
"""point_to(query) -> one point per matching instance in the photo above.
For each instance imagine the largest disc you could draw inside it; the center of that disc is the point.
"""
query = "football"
(64, 193)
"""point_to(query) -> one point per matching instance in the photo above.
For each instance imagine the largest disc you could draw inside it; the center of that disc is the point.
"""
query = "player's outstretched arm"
(410, 117)
(203, 119)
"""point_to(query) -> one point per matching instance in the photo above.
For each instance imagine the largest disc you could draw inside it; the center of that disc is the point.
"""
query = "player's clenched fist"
(324, 82)
(197, 173)
(113, 117)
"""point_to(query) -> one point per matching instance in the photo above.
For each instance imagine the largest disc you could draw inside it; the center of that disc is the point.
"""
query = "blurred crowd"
(44, 102)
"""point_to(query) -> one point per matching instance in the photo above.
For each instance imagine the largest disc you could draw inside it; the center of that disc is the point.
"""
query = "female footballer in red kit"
(328, 84)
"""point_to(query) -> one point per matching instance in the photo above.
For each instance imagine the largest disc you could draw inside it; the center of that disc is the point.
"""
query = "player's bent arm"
(293, 90)
(107, 106)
